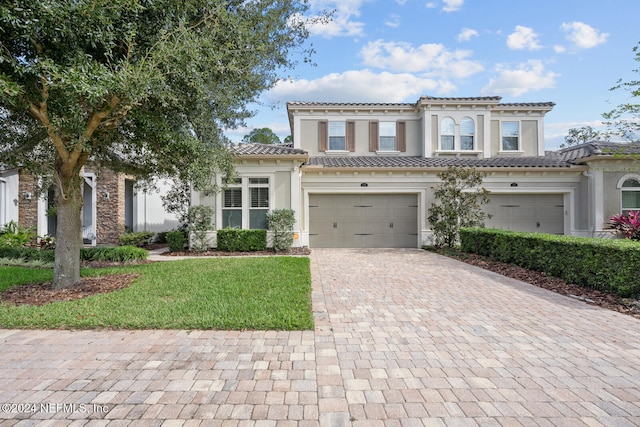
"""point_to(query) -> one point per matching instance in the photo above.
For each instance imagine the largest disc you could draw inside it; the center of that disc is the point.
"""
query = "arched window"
(447, 134)
(630, 195)
(467, 132)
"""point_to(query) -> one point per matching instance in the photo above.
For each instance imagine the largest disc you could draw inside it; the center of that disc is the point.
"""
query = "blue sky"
(570, 52)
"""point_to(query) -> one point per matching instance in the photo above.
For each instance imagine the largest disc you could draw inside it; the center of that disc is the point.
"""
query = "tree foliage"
(624, 120)
(577, 136)
(137, 86)
(262, 136)
(459, 198)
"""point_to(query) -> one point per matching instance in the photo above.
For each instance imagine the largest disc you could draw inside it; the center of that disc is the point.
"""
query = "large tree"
(262, 136)
(137, 86)
(577, 136)
(624, 120)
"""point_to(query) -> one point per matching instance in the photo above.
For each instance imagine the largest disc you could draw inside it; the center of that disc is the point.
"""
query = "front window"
(630, 196)
(337, 136)
(510, 136)
(387, 136)
(467, 131)
(258, 202)
(232, 207)
(447, 134)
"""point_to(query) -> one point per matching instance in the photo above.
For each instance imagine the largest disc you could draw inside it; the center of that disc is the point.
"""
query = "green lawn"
(228, 293)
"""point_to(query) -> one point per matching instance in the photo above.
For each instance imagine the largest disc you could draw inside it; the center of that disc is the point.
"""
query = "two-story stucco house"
(362, 174)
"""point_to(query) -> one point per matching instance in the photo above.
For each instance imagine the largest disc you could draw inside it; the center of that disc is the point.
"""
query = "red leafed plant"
(627, 224)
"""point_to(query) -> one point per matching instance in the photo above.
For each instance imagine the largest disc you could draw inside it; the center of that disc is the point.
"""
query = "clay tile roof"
(596, 148)
(257, 149)
(436, 162)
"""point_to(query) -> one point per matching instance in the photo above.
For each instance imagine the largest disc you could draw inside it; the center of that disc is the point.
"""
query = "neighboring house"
(112, 204)
(362, 174)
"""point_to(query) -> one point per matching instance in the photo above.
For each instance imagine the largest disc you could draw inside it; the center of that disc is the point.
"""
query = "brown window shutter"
(351, 136)
(373, 136)
(401, 136)
(323, 135)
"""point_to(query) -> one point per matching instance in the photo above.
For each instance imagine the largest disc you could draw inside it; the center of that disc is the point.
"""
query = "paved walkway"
(403, 338)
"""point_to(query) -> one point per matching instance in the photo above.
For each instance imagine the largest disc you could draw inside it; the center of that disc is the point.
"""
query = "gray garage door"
(363, 220)
(542, 213)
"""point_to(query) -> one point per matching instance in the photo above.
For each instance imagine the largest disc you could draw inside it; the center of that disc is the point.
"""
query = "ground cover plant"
(229, 293)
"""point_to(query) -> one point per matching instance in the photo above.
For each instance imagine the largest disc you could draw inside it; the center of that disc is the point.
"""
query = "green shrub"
(13, 234)
(27, 253)
(233, 239)
(604, 264)
(113, 254)
(136, 238)
(199, 217)
(175, 240)
(281, 222)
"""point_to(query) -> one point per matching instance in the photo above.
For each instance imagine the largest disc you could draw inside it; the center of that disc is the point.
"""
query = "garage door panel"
(543, 213)
(363, 220)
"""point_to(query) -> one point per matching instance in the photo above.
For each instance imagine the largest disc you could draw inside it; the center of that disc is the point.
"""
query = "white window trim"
(519, 150)
(246, 197)
(457, 136)
(621, 181)
(339, 150)
(395, 136)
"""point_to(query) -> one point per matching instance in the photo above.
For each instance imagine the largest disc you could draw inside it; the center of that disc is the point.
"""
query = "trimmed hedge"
(136, 238)
(235, 240)
(176, 240)
(604, 264)
(111, 254)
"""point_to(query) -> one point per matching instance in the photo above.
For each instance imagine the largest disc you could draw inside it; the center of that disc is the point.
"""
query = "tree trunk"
(66, 267)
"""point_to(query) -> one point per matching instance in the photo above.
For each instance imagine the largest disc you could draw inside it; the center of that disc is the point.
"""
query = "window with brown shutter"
(322, 135)
(373, 136)
(401, 136)
(351, 136)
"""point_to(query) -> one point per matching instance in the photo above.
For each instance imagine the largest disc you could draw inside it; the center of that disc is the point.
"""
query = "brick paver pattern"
(402, 338)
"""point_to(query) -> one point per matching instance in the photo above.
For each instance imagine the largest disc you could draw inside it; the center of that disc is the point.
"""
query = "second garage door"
(363, 221)
(542, 213)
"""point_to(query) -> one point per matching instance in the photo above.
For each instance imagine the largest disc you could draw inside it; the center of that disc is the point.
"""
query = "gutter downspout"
(591, 202)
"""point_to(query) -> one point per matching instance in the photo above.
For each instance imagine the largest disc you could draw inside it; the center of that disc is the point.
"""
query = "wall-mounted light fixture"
(26, 195)
(364, 184)
(105, 194)
(514, 184)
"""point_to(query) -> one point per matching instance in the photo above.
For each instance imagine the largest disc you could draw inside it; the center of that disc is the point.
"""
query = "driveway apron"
(402, 338)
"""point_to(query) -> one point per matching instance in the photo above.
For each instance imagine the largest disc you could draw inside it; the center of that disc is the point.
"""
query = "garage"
(542, 213)
(363, 220)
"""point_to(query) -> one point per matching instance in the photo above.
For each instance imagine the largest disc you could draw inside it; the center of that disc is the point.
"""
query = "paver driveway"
(402, 338)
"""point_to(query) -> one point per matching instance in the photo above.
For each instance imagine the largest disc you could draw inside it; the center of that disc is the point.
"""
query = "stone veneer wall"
(27, 209)
(109, 211)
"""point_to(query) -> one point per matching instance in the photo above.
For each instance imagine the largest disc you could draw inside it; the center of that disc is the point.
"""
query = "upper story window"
(630, 195)
(510, 136)
(467, 132)
(447, 134)
(387, 136)
(337, 136)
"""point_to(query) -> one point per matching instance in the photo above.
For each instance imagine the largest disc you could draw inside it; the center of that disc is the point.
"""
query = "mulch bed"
(43, 293)
(627, 306)
(293, 251)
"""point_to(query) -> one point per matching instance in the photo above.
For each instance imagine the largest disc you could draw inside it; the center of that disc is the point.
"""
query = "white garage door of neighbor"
(363, 220)
(542, 213)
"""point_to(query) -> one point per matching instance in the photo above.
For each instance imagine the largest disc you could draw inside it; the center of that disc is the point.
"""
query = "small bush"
(627, 224)
(235, 240)
(136, 238)
(27, 253)
(13, 234)
(281, 222)
(199, 217)
(604, 264)
(175, 240)
(113, 254)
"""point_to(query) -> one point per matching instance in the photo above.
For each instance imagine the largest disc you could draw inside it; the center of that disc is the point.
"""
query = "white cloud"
(431, 5)
(342, 22)
(452, 5)
(523, 38)
(559, 49)
(359, 86)
(528, 76)
(466, 34)
(432, 59)
(393, 21)
(584, 36)
(401, 2)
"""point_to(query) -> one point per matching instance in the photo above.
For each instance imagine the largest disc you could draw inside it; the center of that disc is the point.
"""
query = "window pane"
(631, 200)
(337, 129)
(387, 128)
(232, 218)
(259, 197)
(232, 198)
(630, 183)
(509, 143)
(466, 142)
(467, 126)
(258, 219)
(258, 180)
(510, 129)
(448, 126)
(337, 143)
(387, 143)
(446, 142)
